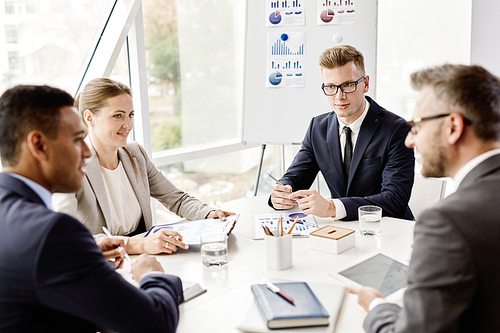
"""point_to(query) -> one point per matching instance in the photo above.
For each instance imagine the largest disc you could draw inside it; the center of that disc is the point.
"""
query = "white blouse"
(125, 209)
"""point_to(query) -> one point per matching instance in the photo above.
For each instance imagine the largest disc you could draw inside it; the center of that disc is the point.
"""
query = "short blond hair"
(341, 55)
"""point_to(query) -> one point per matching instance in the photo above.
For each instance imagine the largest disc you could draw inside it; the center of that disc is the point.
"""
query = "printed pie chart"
(275, 17)
(275, 78)
(327, 15)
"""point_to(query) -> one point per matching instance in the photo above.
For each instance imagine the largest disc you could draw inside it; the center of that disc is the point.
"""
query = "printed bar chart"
(281, 48)
(328, 3)
(285, 4)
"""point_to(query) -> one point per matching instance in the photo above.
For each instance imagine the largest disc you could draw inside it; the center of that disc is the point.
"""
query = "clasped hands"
(310, 201)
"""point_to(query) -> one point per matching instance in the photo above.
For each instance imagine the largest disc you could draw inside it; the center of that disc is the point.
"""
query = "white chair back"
(425, 193)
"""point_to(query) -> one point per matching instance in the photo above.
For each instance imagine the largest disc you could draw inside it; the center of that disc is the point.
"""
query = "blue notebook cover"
(279, 313)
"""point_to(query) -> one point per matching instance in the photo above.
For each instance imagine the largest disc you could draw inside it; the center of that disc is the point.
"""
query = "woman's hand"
(219, 214)
(162, 241)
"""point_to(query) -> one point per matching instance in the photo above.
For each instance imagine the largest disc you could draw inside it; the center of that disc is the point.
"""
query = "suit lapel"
(142, 196)
(96, 181)
(369, 127)
(335, 152)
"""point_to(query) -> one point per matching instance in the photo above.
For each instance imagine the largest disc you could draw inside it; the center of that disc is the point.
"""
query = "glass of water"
(214, 249)
(369, 220)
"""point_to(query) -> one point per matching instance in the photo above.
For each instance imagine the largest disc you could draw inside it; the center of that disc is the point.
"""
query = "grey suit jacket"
(454, 276)
(90, 205)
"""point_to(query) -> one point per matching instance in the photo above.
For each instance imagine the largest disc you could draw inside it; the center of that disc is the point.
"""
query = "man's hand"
(219, 214)
(113, 248)
(312, 203)
(279, 197)
(365, 294)
(145, 264)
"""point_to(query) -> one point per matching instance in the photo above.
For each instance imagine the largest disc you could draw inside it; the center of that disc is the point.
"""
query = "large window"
(50, 41)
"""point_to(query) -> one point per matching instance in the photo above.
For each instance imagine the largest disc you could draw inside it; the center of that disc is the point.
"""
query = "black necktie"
(347, 150)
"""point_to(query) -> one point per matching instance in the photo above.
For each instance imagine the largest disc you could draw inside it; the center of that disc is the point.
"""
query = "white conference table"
(228, 295)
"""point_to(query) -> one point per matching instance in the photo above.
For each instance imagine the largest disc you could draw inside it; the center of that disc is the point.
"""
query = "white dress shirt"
(355, 127)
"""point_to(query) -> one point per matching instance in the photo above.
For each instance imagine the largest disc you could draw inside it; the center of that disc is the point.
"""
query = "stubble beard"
(435, 165)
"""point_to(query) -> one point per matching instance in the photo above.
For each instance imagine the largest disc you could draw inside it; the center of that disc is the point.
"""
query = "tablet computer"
(380, 271)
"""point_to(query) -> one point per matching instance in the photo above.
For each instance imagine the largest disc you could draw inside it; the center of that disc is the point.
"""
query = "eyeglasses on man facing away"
(413, 124)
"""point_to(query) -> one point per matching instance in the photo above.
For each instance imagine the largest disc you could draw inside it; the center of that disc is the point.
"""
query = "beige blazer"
(90, 205)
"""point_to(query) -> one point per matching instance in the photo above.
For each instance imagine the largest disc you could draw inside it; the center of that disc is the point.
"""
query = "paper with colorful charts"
(305, 223)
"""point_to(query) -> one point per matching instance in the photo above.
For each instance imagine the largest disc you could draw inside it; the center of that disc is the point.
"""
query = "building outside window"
(50, 41)
(14, 61)
(11, 34)
(10, 7)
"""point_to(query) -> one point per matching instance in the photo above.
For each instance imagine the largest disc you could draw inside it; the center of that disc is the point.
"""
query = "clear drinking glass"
(214, 249)
(369, 220)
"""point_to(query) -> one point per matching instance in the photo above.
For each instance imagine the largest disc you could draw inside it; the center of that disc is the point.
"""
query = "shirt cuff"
(340, 209)
(375, 302)
(153, 274)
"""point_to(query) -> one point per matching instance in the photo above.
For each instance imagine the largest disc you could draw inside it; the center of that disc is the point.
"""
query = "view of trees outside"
(162, 52)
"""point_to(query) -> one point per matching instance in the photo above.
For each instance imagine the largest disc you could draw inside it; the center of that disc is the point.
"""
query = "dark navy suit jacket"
(382, 168)
(53, 277)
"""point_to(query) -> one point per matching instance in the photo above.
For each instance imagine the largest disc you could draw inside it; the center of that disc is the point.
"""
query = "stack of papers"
(191, 230)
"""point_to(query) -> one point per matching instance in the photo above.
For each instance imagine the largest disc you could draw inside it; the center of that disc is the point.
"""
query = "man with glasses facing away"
(454, 275)
(358, 147)
(53, 277)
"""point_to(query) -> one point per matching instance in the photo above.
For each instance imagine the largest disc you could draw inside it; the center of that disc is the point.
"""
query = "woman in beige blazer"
(121, 178)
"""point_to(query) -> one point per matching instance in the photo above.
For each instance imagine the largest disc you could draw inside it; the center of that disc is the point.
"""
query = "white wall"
(485, 36)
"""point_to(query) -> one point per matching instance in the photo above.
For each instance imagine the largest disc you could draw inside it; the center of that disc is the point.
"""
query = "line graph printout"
(285, 60)
(337, 12)
(285, 13)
